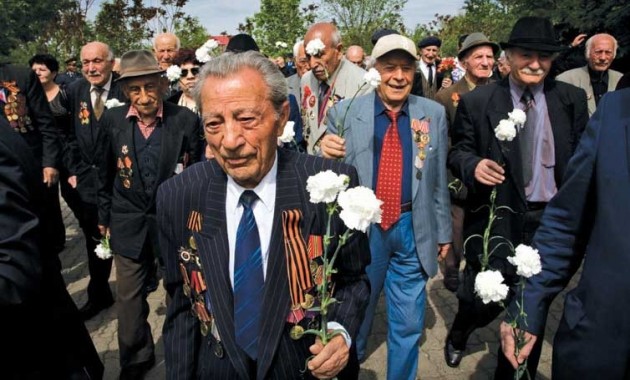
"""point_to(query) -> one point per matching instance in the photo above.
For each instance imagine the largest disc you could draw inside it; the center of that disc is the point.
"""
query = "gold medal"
(424, 138)
(313, 267)
(309, 300)
(218, 350)
(192, 243)
(296, 332)
(126, 183)
(204, 328)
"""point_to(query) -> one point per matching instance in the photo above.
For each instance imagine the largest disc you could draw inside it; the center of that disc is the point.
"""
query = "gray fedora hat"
(476, 39)
(136, 63)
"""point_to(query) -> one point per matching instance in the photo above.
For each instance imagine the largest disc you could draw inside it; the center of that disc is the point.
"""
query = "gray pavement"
(479, 362)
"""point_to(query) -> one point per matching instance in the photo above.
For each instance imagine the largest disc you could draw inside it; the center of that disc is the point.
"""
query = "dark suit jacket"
(418, 80)
(82, 151)
(203, 188)
(478, 113)
(41, 134)
(590, 210)
(130, 212)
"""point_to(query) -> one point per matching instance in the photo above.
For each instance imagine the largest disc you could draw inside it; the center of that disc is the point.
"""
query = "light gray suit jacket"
(579, 77)
(430, 198)
(344, 83)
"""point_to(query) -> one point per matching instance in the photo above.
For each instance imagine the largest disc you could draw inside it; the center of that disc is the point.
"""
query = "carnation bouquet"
(447, 65)
(357, 207)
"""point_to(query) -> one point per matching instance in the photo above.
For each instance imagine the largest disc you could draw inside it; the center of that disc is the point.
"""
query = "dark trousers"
(98, 289)
(53, 230)
(473, 313)
(454, 256)
(135, 340)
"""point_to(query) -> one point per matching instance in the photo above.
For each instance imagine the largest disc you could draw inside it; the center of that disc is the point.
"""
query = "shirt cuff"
(344, 332)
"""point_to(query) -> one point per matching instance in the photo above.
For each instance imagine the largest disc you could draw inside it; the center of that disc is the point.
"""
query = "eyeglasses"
(194, 71)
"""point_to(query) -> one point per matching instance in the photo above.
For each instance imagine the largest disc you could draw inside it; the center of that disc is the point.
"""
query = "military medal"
(296, 332)
(218, 349)
(308, 302)
(192, 243)
(203, 326)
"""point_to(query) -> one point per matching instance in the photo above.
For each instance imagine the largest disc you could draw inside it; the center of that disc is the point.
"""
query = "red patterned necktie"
(389, 180)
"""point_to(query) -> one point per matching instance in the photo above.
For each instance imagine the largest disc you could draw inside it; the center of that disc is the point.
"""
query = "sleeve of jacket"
(567, 218)
(106, 169)
(352, 288)
(463, 156)
(442, 195)
(42, 118)
(194, 148)
(181, 337)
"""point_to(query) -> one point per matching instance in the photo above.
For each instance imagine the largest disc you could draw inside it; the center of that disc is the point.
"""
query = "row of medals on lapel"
(298, 310)
(195, 289)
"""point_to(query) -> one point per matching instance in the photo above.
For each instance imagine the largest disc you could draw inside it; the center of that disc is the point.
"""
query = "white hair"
(296, 48)
(589, 44)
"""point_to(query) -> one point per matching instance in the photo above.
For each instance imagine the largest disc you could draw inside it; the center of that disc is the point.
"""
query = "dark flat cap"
(429, 41)
(378, 33)
(241, 43)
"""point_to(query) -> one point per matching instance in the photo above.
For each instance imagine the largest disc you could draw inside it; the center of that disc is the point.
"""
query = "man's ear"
(283, 118)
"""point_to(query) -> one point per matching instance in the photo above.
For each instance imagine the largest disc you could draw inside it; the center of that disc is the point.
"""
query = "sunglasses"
(194, 71)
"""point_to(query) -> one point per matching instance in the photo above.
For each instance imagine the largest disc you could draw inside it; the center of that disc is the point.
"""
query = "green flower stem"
(340, 128)
(485, 258)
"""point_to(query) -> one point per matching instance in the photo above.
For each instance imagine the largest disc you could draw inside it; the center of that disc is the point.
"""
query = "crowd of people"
(173, 160)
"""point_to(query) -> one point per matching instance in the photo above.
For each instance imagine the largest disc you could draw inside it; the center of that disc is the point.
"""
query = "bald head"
(325, 62)
(356, 55)
(165, 48)
(97, 61)
(601, 50)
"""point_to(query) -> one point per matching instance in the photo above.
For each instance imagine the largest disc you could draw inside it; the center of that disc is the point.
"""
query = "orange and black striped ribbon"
(296, 255)
(315, 246)
(195, 219)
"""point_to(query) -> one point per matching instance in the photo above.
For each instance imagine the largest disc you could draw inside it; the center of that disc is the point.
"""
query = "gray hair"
(296, 48)
(589, 44)
(335, 38)
(177, 42)
(229, 64)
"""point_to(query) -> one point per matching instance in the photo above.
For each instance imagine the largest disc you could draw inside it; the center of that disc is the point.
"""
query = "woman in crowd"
(189, 65)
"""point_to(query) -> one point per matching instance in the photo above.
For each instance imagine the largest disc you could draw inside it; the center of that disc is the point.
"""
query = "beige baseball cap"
(393, 42)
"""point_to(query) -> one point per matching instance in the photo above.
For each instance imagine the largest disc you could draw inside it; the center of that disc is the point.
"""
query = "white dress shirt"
(105, 93)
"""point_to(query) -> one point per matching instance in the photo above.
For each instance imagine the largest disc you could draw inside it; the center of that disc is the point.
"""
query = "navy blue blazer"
(588, 217)
(203, 188)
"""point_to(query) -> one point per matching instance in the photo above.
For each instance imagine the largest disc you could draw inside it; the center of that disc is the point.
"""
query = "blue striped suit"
(202, 188)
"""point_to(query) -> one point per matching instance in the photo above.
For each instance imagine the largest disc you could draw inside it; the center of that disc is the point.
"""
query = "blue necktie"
(248, 278)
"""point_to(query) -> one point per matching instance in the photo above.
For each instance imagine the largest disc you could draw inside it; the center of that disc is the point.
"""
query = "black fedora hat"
(533, 33)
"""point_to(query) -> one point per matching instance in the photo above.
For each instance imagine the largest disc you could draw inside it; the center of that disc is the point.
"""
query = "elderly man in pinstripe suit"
(238, 202)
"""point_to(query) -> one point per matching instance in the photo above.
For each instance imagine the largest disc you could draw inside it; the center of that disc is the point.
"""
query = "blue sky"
(220, 15)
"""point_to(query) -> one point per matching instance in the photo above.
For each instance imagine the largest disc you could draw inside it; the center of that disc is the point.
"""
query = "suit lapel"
(362, 130)
(215, 257)
(172, 136)
(276, 303)
(561, 124)
(416, 112)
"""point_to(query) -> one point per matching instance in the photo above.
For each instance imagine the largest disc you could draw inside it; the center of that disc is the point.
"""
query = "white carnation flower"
(315, 47)
(324, 186)
(489, 286)
(103, 251)
(287, 133)
(505, 131)
(359, 208)
(518, 116)
(173, 73)
(526, 260)
(372, 77)
(203, 53)
(111, 103)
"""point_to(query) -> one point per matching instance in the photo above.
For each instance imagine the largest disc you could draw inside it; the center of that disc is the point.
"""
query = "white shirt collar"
(265, 190)
(107, 85)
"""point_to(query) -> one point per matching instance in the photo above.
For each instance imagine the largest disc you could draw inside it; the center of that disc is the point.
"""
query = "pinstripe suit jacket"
(202, 188)
(430, 198)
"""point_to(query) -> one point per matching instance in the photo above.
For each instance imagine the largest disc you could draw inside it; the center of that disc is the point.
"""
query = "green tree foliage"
(358, 19)
(191, 33)
(131, 29)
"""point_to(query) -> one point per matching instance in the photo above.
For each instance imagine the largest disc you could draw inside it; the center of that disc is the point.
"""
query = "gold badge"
(296, 332)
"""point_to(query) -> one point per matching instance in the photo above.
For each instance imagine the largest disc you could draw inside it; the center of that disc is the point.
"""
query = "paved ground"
(478, 364)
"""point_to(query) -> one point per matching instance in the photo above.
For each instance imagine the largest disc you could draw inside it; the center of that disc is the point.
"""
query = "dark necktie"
(248, 278)
(430, 79)
(323, 99)
(99, 106)
(389, 180)
(527, 135)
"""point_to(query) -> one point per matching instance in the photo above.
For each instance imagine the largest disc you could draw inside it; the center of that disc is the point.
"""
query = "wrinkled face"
(429, 54)
(96, 67)
(479, 63)
(302, 63)
(43, 73)
(397, 69)
(189, 77)
(165, 50)
(602, 53)
(145, 94)
(529, 67)
(324, 64)
(241, 125)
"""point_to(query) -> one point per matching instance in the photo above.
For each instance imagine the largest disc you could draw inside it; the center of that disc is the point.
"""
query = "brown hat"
(476, 39)
(393, 42)
(136, 63)
(533, 33)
